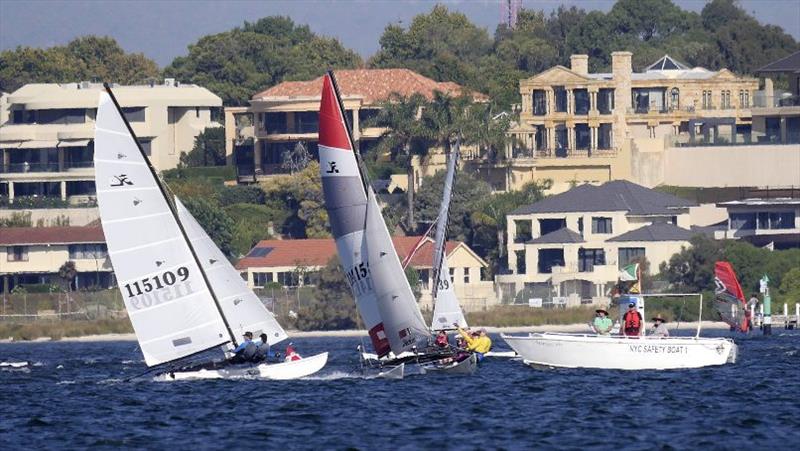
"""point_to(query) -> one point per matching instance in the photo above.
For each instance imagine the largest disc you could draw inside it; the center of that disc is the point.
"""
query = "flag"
(629, 273)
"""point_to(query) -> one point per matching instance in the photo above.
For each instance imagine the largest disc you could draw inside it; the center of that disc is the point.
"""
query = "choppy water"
(73, 395)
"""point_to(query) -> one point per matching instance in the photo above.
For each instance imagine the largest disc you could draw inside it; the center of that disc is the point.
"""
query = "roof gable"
(667, 62)
(558, 74)
(789, 63)
(655, 232)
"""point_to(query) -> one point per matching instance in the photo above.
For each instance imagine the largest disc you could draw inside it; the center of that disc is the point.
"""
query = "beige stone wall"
(76, 216)
(774, 166)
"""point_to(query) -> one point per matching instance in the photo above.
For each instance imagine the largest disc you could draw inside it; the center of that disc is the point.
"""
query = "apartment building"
(763, 222)
(291, 263)
(573, 244)
(47, 139)
(34, 255)
(258, 136)
(577, 126)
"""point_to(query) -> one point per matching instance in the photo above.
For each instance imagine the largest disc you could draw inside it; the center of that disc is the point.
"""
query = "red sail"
(729, 298)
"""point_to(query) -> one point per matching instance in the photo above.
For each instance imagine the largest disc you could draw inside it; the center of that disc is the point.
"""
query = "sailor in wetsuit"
(246, 350)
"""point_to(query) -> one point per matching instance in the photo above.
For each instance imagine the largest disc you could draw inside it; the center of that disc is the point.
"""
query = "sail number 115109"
(156, 282)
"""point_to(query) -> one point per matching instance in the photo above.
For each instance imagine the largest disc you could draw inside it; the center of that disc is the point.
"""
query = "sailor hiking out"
(479, 344)
(246, 350)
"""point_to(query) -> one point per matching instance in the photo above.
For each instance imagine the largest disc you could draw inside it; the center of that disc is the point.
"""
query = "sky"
(163, 29)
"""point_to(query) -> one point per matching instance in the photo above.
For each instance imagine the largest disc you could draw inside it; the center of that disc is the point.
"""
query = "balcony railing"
(777, 101)
(567, 153)
(79, 164)
(21, 168)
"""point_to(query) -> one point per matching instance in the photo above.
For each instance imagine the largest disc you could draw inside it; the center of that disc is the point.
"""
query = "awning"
(36, 144)
(73, 143)
(9, 144)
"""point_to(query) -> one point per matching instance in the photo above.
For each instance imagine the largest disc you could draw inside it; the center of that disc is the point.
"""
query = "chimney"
(621, 66)
(579, 64)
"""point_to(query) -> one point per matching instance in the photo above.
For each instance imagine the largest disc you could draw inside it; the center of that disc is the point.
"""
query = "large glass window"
(587, 258)
(306, 122)
(551, 225)
(583, 137)
(675, 99)
(776, 220)
(62, 116)
(560, 95)
(629, 254)
(581, 97)
(746, 221)
(520, 255)
(549, 258)
(605, 100)
(604, 136)
(539, 102)
(134, 113)
(274, 123)
(261, 279)
(523, 234)
(601, 225)
(288, 279)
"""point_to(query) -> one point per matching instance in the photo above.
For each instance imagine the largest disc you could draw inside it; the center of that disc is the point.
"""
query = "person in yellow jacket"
(480, 345)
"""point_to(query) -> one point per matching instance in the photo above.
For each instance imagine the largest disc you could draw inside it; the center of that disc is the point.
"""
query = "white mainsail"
(446, 310)
(384, 298)
(167, 298)
(242, 308)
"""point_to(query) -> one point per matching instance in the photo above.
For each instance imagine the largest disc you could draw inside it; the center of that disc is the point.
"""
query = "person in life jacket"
(291, 354)
(246, 349)
(480, 344)
(632, 322)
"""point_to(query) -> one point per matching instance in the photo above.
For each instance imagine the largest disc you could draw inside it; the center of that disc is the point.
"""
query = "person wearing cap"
(632, 321)
(246, 349)
(602, 324)
(659, 327)
(480, 344)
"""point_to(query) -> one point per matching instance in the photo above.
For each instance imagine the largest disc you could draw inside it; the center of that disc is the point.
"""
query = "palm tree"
(405, 136)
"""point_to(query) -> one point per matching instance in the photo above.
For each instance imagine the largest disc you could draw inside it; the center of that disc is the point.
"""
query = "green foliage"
(216, 223)
(467, 193)
(251, 224)
(208, 149)
(331, 306)
(789, 289)
(84, 58)
(300, 195)
(67, 273)
(241, 194)
(238, 63)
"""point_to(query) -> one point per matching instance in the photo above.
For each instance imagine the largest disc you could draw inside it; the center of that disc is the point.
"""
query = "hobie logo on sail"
(120, 180)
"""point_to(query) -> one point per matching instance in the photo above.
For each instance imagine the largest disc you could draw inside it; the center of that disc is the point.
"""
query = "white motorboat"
(562, 350)
(182, 295)
(620, 352)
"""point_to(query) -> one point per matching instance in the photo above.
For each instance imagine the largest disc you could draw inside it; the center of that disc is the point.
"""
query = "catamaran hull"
(466, 366)
(622, 353)
(276, 371)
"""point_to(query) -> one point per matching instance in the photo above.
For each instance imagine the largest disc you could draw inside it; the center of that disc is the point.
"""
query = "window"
(87, 251)
(605, 100)
(675, 98)
(746, 221)
(134, 114)
(601, 225)
(274, 123)
(581, 98)
(551, 225)
(146, 146)
(776, 220)
(604, 136)
(466, 276)
(197, 111)
(707, 103)
(560, 95)
(288, 279)
(63, 116)
(629, 254)
(306, 122)
(587, 258)
(549, 258)
(583, 137)
(261, 279)
(17, 253)
(539, 102)
(452, 275)
(520, 262)
(523, 234)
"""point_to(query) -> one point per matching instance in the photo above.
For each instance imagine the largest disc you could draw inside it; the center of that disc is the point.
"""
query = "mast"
(444, 218)
(174, 213)
(349, 129)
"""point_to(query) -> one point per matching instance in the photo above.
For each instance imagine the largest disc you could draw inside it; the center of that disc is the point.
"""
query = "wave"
(13, 364)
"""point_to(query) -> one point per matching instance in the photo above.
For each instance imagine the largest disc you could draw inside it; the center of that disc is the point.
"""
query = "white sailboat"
(182, 295)
(383, 296)
(623, 352)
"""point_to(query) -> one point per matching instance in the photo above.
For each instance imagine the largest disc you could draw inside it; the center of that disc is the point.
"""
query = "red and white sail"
(369, 260)
(729, 298)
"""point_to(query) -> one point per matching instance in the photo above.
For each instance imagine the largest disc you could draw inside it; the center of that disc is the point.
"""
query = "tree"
(301, 197)
(332, 306)
(790, 286)
(253, 223)
(208, 149)
(405, 136)
(67, 273)
(216, 223)
(297, 159)
(467, 193)
(82, 59)
(237, 63)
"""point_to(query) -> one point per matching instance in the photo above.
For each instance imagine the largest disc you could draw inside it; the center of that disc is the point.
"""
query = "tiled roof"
(789, 63)
(656, 232)
(562, 235)
(20, 236)
(617, 195)
(318, 252)
(374, 85)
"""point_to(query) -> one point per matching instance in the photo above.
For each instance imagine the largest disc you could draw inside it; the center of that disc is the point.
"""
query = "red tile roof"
(375, 85)
(318, 252)
(18, 236)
